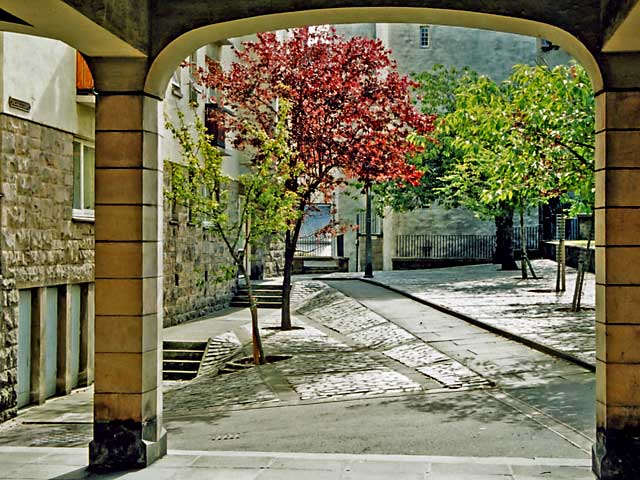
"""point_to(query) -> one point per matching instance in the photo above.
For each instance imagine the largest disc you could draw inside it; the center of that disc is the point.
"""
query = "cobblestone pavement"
(346, 350)
(447, 349)
(528, 308)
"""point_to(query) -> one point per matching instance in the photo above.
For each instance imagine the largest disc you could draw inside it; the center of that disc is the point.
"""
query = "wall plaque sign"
(19, 104)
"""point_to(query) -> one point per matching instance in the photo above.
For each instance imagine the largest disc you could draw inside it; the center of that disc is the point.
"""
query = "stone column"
(38, 345)
(87, 334)
(616, 454)
(63, 381)
(128, 430)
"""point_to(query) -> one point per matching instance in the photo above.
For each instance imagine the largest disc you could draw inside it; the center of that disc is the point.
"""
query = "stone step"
(183, 345)
(265, 294)
(260, 293)
(317, 270)
(245, 304)
(179, 374)
(181, 364)
(182, 354)
(262, 287)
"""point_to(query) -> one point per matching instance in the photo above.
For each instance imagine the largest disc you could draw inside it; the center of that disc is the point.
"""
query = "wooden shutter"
(84, 79)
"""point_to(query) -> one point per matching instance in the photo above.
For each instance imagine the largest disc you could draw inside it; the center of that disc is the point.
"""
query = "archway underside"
(167, 60)
(128, 400)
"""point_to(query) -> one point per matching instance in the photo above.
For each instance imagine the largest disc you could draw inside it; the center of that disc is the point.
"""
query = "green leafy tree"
(437, 91)
(198, 183)
(524, 141)
(500, 148)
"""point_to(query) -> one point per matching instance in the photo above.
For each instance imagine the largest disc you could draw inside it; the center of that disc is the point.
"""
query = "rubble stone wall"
(40, 243)
(195, 262)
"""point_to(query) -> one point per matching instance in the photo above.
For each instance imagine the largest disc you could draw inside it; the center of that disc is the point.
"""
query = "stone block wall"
(274, 258)
(40, 243)
(194, 263)
(8, 349)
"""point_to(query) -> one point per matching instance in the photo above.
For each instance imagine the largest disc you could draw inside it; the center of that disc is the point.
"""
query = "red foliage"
(351, 111)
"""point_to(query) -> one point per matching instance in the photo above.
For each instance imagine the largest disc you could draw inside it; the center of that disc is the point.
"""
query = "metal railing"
(533, 237)
(478, 247)
(314, 246)
(446, 246)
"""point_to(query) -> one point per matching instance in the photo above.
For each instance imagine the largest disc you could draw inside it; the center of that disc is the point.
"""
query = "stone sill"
(89, 100)
(87, 216)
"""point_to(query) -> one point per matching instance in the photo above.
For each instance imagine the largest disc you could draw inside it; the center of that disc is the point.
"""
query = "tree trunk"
(504, 241)
(290, 241)
(258, 352)
(523, 247)
(583, 266)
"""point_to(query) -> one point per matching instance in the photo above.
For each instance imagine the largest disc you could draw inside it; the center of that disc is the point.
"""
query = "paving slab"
(528, 308)
(63, 463)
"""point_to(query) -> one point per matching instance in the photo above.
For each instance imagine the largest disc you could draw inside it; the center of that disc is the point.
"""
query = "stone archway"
(133, 53)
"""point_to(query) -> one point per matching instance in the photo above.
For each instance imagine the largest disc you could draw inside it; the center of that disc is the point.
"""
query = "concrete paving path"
(70, 463)
(367, 379)
(529, 308)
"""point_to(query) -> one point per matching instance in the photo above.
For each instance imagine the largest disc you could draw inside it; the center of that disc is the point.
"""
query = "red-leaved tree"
(350, 117)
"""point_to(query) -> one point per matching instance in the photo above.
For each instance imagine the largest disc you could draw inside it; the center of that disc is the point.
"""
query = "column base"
(121, 445)
(616, 455)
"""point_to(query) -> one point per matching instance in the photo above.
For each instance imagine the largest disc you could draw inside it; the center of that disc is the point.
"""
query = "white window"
(176, 83)
(425, 37)
(84, 164)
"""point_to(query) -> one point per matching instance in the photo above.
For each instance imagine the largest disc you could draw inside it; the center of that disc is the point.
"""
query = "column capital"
(620, 71)
(119, 75)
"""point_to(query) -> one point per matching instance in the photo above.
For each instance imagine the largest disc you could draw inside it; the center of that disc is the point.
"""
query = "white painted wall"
(42, 72)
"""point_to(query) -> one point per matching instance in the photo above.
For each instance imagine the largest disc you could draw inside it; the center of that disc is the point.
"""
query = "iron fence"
(314, 246)
(533, 236)
(446, 246)
(477, 247)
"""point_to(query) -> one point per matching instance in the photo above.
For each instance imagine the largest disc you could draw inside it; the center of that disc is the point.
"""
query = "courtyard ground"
(376, 382)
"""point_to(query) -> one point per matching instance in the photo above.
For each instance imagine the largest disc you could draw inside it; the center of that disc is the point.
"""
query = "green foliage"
(524, 141)
(200, 184)
(436, 91)
(505, 146)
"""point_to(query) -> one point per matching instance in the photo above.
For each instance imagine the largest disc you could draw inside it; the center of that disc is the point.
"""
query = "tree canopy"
(351, 113)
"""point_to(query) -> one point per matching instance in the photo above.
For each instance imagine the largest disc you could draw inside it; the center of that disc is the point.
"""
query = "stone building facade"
(46, 239)
(47, 230)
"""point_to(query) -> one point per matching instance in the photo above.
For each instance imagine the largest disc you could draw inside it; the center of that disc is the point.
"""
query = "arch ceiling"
(165, 31)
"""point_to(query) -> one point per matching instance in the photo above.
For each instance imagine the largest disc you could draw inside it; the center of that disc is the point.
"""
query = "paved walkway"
(366, 377)
(527, 308)
(70, 463)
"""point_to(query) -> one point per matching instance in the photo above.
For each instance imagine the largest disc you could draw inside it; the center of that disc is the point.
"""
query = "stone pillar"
(128, 430)
(63, 381)
(616, 454)
(87, 334)
(38, 345)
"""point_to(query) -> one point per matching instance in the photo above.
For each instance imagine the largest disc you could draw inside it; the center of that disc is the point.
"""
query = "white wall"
(42, 72)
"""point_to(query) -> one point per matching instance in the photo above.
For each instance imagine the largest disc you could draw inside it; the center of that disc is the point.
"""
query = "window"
(195, 90)
(176, 83)
(84, 164)
(425, 37)
(214, 124)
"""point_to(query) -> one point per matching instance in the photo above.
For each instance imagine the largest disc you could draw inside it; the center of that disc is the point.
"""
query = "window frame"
(421, 37)
(83, 214)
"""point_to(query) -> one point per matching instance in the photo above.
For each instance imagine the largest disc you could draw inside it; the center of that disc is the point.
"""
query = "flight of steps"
(181, 360)
(267, 296)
